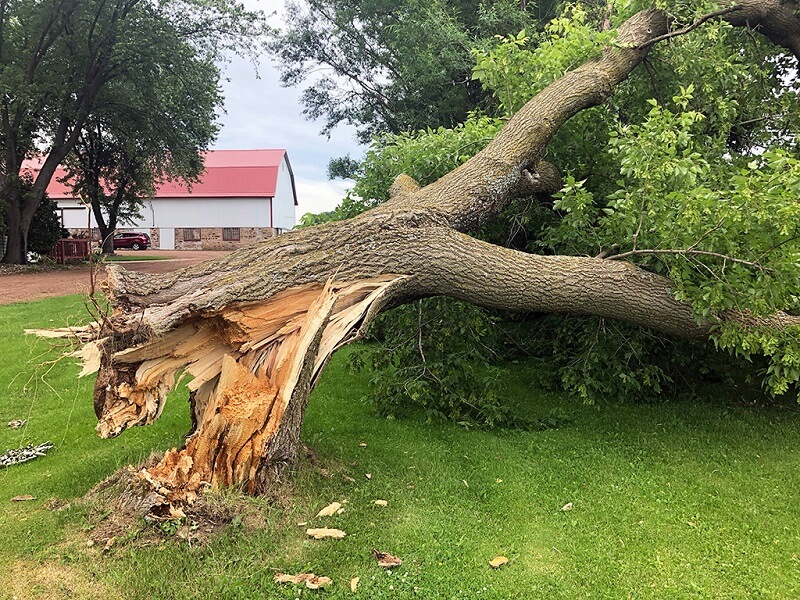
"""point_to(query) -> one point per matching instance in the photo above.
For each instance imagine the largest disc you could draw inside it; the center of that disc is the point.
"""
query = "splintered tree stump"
(252, 366)
(254, 329)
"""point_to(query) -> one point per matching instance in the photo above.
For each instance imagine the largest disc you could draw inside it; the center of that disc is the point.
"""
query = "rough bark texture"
(255, 328)
(18, 221)
(776, 19)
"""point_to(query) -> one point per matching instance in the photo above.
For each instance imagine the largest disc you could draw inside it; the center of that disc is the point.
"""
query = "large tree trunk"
(106, 229)
(255, 328)
(19, 214)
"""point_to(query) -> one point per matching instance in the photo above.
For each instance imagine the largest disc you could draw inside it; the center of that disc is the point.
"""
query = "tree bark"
(255, 328)
(106, 229)
(17, 223)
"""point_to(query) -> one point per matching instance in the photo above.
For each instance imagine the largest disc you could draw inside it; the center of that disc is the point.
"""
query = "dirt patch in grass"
(22, 283)
(51, 580)
(119, 510)
(43, 267)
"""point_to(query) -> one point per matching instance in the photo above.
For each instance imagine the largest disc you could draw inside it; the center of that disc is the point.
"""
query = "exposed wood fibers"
(245, 362)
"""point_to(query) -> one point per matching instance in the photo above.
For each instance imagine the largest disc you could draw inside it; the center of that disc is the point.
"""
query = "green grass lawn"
(685, 500)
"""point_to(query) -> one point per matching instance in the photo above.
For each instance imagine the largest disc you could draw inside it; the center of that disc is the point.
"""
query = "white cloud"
(259, 113)
(319, 196)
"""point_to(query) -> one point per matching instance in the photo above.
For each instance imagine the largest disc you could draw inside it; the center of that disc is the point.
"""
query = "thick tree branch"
(544, 179)
(778, 20)
(471, 194)
(492, 276)
(469, 269)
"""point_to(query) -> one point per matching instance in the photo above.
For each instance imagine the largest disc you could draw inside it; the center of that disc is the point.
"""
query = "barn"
(243, 196)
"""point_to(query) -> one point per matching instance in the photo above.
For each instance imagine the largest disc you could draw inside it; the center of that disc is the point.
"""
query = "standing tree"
(255, 328)
(387, 66)
(45, 227)
(130, 141)
(58, 55)
(112, 174)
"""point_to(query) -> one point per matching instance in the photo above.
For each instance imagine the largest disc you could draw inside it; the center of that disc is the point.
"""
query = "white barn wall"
(205, 212)
(74, 214)
(169, 219)
(283, 216)
(184, 212)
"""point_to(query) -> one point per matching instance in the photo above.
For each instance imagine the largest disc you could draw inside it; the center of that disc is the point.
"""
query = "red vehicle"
(134, 240)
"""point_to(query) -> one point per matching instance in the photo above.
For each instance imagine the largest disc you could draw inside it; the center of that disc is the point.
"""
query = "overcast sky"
(259, 113)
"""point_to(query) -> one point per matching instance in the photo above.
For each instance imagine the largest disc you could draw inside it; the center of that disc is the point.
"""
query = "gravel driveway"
(23, 287)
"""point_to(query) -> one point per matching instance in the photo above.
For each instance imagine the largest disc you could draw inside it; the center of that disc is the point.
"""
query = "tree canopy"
(59, 56)
(150, 126)
(391, 66)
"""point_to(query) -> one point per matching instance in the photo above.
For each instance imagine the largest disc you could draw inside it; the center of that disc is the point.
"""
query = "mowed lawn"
(688, 500)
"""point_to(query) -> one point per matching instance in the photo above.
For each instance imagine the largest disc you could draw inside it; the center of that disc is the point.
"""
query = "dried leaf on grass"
(386, 560)
(381, 502)
(311, 581)
(354, 584)
(109, 542)
(329, 510)
(498, 561)
(324, 532)
(567, 507)
(23, 498)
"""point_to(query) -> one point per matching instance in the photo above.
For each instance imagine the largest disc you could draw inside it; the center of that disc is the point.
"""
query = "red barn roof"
(228, 174)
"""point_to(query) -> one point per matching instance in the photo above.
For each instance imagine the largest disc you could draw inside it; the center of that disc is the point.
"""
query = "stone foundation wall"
(81, 233)
(211, 238)
(155, 240)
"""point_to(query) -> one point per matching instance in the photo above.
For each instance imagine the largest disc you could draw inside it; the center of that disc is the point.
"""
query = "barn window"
(230, 234)
(191, 234)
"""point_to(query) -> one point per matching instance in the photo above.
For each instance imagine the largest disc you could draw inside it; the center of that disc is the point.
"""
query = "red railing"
(70, 249)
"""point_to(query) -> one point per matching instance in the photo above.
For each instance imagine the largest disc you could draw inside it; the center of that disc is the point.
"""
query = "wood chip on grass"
(311, 581)
(386, 560)
(23, 498)
(324, 532)
(329, 510)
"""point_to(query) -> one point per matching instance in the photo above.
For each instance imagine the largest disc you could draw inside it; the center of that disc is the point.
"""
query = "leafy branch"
(692, 27)
(687, 252)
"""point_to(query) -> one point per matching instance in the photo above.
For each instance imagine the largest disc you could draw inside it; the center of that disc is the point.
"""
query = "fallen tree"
(254, 329)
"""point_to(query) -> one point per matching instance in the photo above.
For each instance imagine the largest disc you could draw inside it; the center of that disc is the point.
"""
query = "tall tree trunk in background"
(107, 229)
(19, 214)
(255, 328)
